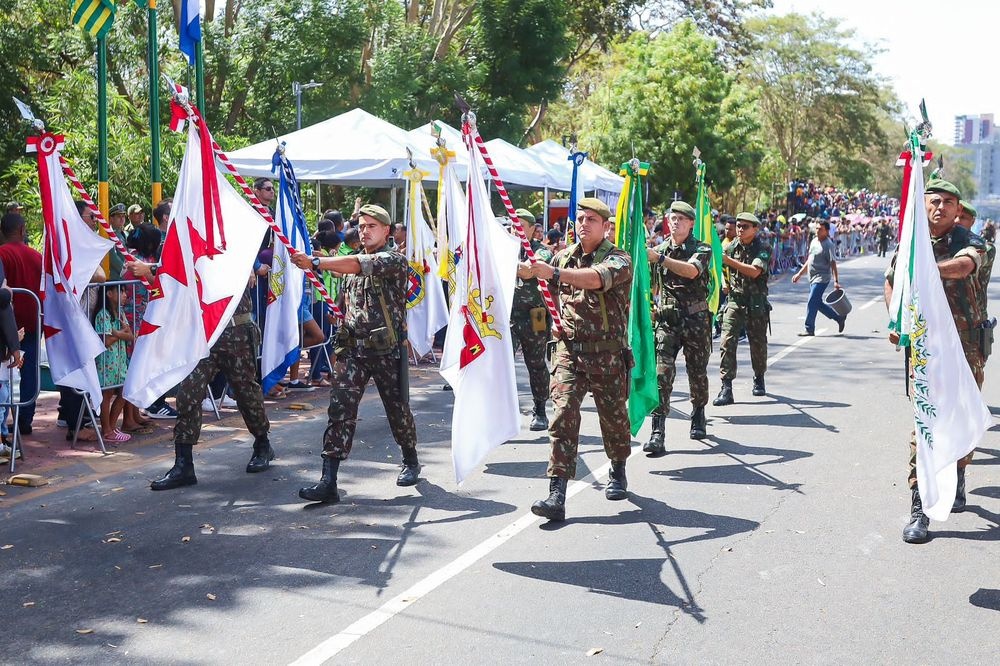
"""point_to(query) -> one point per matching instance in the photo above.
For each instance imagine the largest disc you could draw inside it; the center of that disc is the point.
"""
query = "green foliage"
(664, 96)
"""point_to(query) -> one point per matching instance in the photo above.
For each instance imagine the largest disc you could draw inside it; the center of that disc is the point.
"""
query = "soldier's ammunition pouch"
(381, 341)
(985, 332)
(756, 305)
(628, 358)
(672, 312)
(539, 319)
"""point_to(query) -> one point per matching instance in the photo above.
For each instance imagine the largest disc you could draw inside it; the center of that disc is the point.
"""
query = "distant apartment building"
(979, 137)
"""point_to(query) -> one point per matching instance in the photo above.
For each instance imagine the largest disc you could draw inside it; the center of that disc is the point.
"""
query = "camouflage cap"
(969, 208)
(117, 209)
(748, 217)
(14, 206)
(682, 208)
(525, 215)
(134, 208)
(939, 185)
(596, 205)
(377, 212)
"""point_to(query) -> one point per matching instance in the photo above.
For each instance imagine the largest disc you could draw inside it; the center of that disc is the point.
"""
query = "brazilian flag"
(93, 16)
(630, 235)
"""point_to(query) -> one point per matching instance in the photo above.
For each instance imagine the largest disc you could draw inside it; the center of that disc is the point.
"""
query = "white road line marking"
(877, 299)
(792, 347)
(337, 643)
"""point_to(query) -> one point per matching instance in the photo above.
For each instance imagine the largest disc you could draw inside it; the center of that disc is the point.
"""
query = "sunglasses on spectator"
(743, 226)
(269, 188)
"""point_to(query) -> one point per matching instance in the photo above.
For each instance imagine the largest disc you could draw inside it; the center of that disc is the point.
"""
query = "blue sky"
(946, 52)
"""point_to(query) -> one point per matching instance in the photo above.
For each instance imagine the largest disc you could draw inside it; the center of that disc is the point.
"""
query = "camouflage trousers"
(733, 321)
(693, 333)
(974, 355)
(235, 355)
(532, 346)
(607, 379)
(349, 378)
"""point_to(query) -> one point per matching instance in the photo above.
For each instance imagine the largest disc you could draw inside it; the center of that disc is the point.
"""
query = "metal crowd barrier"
(23, 401)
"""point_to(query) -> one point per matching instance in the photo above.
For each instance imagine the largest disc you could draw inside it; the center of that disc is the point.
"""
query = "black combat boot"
(617, 488)
(326, 489)
(655, 444)
(959, 505)
(758, 386)
(182, 473)
(554, 506)
(725, 396)
(916, 530)
(410, 472)
(539, 420)
(698, 427)
(263, 454)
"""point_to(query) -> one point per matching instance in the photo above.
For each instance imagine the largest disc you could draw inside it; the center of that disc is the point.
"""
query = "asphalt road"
(775, 540)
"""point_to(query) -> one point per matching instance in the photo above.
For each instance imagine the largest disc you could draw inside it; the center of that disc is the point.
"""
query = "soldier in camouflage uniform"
(593, 279)
(682, 319)
(529, 326)
(966, 219)
(748, 260)
(369, 345)
(959, 255)
(235, 355)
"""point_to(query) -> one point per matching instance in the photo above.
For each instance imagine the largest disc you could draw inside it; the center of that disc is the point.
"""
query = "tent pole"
(545, 209)
(393, 202)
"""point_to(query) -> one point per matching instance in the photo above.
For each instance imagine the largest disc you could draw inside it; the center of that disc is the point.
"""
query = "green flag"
(93, 16)
(644, 394)
(705, 232)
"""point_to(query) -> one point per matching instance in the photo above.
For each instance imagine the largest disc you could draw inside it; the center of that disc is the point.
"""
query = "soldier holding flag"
(368, 346)
(682, 319)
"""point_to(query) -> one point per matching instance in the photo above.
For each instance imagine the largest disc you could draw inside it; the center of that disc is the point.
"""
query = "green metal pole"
(199, 74)
(154, 106)
(102, 126)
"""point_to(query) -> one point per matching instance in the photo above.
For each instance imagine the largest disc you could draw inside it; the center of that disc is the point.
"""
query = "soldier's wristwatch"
(315, 263)
(662, 258)
(555, 275)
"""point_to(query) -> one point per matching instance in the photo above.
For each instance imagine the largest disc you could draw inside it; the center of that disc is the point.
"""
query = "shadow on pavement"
(743, 472)
(632, 578)
(986, 598)
(985, 533)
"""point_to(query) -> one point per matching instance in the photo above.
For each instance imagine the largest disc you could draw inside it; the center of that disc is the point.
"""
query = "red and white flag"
(71, 253)
(212, 240)
(478, 358)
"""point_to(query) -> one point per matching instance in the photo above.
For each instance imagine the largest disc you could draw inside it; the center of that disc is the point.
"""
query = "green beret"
(596, 205)
(682, 208)
(525, 215)
(117, 209)
(748, 217)
(379, 213)
(969, 208)
(938, 185)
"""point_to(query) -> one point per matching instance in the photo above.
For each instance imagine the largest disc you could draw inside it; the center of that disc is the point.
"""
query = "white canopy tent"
(591, 176)
(423, 138)
(518, 169)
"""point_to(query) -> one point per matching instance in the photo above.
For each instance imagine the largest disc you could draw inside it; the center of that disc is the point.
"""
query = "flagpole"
(154, 106)
(102, 126)
(199, 76)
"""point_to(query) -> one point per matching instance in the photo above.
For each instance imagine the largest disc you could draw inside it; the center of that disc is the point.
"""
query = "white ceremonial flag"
(71, 253)
(478, 359)
(206, 261)
(426, 311)
(453, 211)
(949, 414)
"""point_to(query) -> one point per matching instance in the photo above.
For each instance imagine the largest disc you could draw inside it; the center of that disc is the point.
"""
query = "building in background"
(978, 137)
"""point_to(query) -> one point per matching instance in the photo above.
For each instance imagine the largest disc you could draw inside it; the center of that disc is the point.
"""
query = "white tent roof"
(591, 176)
(424, 140)
(354, 148)
(518, 168)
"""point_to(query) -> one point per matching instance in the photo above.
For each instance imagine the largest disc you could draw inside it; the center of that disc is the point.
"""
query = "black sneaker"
(162, 412)
(840, 324)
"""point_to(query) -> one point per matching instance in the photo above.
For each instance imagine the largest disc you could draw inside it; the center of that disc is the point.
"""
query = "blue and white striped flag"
(286, 282)
(189, 28)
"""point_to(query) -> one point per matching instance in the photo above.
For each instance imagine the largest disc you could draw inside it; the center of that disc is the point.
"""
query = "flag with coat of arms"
(286, 281)
(426, 310)
(949, 414)
(71, 253)
(212, 240)
(478, 357)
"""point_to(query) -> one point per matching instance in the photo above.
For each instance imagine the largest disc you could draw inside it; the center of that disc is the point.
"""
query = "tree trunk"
(240, 100)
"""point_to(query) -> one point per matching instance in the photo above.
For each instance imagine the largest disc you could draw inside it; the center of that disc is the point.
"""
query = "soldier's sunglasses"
(741, 227)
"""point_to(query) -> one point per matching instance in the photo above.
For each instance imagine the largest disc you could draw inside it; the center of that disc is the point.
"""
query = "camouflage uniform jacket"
(526, 295)
(382, 272)
(677, 290)
(595, 321)
(756, 253)
(983, 275)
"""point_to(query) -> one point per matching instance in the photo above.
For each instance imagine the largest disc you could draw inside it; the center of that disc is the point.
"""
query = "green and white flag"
(93, 16)
(949, 414)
